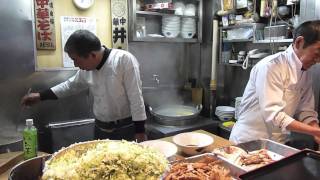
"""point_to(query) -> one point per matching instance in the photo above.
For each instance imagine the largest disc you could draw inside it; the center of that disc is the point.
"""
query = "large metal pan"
(175, 114)
(29, 170)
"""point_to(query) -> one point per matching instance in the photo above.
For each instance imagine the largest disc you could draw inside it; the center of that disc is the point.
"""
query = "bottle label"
(30, 143)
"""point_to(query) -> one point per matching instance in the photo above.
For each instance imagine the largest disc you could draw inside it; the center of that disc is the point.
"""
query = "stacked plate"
(188, 28)
(225, 113)
(171, 26)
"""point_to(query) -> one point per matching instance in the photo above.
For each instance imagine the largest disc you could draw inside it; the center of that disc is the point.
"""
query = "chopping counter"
(8, 160)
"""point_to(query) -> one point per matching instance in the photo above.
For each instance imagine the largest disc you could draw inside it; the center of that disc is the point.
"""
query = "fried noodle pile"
(107, 160)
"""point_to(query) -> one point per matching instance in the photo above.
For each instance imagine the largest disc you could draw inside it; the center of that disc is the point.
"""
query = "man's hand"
(30, 99)
(140, 137)
(317, 135)
(317, 139)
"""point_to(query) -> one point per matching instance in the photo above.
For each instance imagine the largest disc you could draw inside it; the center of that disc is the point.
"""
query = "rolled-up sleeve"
(71, 86)
(270, 91)
(306, 110)
(132, 83)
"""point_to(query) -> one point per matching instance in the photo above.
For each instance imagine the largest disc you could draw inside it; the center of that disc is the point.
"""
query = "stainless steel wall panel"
(309, 10)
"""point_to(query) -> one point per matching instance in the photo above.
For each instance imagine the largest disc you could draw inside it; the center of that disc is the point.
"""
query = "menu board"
(69, 24)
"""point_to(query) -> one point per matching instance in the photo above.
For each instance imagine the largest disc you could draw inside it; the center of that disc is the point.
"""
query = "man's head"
(84, 48)
(306, 43)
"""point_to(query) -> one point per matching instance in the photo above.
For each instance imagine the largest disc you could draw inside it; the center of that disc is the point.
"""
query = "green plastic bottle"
(30, 140)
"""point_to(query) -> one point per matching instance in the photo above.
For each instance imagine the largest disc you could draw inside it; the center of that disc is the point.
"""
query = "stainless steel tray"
(235, 171)
(270, 145)
(302, 165)
(278, 150)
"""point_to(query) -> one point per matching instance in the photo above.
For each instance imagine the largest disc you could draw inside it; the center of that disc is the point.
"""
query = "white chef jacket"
(116, 88)
(278, 91)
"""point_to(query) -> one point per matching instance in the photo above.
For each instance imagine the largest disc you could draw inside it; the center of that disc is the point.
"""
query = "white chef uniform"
(116, 88)
(278, 91)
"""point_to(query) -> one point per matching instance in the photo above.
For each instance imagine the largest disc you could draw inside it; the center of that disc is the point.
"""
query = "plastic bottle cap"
(29, 122)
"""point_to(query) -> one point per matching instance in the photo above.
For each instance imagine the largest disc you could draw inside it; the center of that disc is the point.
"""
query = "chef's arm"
(310, 129)
(73, 85)
(306, 109)
(133, 84)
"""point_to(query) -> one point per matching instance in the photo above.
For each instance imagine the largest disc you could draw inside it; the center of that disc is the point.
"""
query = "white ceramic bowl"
(225, 118)
(171, 26)
(188, 28)
(225, 108)
(179, 8)
(170, 34)
(168, 149)
(187, 34)
(193, 143)
(190, 10)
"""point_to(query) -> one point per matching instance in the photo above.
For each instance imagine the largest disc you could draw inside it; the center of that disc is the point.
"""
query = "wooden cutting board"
(8, 160)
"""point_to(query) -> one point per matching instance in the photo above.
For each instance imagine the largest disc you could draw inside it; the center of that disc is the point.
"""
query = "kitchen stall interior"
(194, 56)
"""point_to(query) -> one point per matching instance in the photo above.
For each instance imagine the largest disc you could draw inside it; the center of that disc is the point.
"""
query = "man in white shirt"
(278, 97)
(112, 77)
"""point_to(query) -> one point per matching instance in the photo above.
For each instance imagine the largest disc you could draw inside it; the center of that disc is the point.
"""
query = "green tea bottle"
(30, 140)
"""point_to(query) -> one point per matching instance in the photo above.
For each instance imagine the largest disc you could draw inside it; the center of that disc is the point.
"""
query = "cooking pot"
(175, 114)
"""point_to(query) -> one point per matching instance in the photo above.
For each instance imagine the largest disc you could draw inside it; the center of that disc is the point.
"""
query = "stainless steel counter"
(155, 130)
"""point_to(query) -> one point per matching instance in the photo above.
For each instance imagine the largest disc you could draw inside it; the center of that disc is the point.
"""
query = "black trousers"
(116, 130)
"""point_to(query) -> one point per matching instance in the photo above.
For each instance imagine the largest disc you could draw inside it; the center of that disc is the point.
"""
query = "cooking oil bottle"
(30, 140)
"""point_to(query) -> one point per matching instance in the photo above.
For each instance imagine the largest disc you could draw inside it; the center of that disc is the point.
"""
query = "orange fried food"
(207, 169)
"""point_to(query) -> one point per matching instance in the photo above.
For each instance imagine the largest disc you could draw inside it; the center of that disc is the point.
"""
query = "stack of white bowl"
(225, 113)
(237, 107)
(171, 26)
(179, 8)
(189, 10)
(188, 27)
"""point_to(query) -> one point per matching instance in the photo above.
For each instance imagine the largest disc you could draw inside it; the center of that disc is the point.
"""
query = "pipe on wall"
(215, 40)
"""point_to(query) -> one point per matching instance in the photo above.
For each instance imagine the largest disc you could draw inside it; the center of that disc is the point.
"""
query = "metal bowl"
(175, 115)
(29, 170)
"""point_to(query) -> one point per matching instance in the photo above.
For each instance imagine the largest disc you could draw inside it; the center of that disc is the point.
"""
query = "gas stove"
(156, 130)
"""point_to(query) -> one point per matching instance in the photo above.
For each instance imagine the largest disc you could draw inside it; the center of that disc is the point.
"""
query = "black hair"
(309, 30)
(82, 42)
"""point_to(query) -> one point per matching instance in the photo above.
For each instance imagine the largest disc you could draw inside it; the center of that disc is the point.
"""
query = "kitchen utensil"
(166, 148)
(193, 143)
(29, 170)
(175, 114)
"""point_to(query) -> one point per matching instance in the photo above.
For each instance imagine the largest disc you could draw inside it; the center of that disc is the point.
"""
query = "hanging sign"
(69, 24)
(44, 21)
(119, 12)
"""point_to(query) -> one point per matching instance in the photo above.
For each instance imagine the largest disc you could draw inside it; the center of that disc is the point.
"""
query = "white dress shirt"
(278, 91)
(116, 88)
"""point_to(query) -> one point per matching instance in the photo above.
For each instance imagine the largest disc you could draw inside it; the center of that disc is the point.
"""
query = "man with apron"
(278, 97)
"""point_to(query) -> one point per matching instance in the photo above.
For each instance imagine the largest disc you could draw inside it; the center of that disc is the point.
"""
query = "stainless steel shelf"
(237, 40)
(274, 41)
(164, 39)
(243, 25)
(150, 23)
(234, 64)
(161, 14)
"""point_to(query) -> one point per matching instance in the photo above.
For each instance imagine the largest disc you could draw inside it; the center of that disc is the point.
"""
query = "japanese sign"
(119, 11)
(44, 21)
(69, 24)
